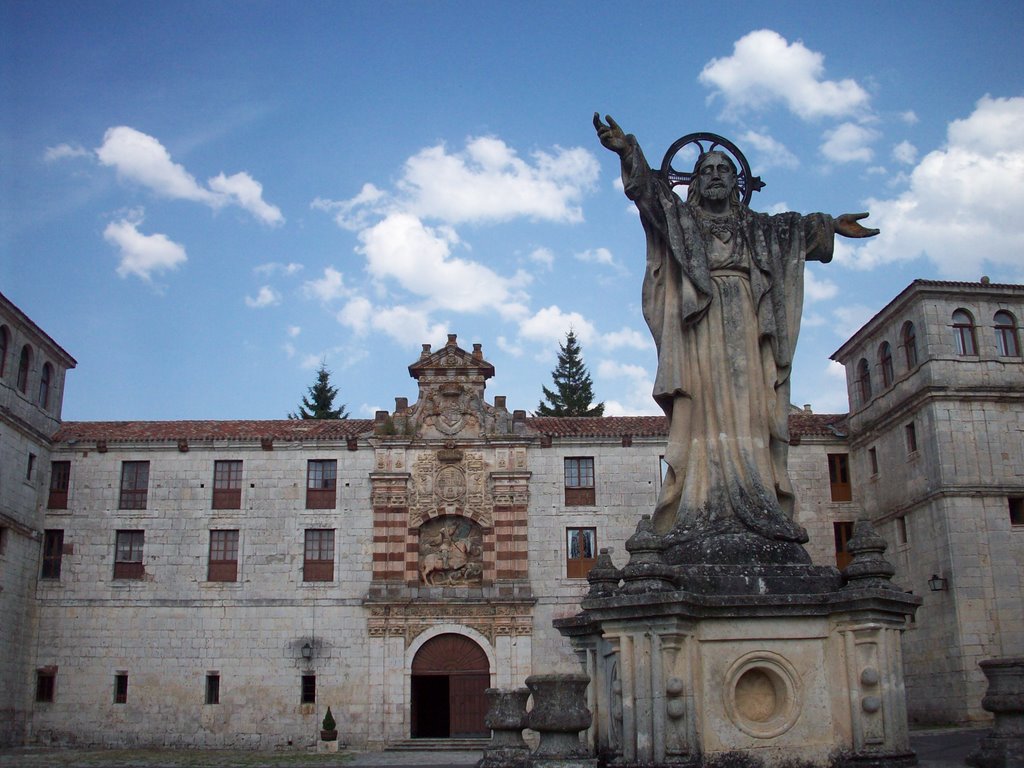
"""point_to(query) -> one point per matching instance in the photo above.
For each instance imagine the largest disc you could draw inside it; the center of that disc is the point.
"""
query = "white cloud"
(770, 153)
(489, 182)
(274, 267)
(64, 151)
(355, 213)
(265, 297)
(142, 255)
(410, 327)
(543, 256)
(356, 314)
(849, 143)
(402, 248)
(638, 387)
(909, 117)
(818, 289)
(598, 256)
(293, 331)
(549, 326)
(327, 288)
(764, 69)
(626, 337)
(962, 207)
(515, 350)
(905, 153)
(247, 194)
(140, 158)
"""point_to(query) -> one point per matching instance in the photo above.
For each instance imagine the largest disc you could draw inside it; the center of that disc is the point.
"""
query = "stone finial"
(478, 352)
(646, 570)
(559, 714)
(452, 340)
(425, 352)
(604, 577)
(1003, 746)
(401, 404)
(506, 717)
(869, 568)
(499, 402)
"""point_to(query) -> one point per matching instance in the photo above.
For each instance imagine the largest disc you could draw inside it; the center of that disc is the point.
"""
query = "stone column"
(506, 717)
(1003, 747)
(559, 714)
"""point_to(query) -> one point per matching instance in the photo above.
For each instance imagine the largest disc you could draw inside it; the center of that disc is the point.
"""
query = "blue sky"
(201, 201)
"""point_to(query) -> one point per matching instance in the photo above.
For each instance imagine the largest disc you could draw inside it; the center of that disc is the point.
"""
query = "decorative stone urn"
(506, 717)
(559, 714)
(1003, 746)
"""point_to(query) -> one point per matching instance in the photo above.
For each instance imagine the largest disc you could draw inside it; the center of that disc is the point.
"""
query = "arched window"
(909, 336)
(864, 381)
(1007, 339)
(963, 333)
(885, 363)
(23, 365)
(4, 341)
(44, 386)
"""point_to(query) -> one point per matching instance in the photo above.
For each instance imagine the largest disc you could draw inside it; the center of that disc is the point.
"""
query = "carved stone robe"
(722, 297)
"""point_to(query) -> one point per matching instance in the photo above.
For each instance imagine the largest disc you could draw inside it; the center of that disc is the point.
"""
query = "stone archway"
(449, 676)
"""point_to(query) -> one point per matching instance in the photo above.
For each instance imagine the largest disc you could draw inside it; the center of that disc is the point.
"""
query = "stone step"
(437, 745)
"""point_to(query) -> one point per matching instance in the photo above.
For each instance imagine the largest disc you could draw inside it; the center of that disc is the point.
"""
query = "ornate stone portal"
(718, 640)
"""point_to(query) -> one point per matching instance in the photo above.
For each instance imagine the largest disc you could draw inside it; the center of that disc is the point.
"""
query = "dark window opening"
(212, 688)
(579, 482)
(227, 484)
(842, 533)
(223, 565)
(581, 551)
(321, 483)
(839, 476)
(963, 333)
(910, 431)
(1016, 505)
(60, 480)
(134, 484)
(53, 549)
(308, 693)
(128, 562)
(121, 688)
(46, 685)
(318, 557)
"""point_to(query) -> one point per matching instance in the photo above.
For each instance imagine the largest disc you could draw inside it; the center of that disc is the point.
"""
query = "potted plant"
(329, 728)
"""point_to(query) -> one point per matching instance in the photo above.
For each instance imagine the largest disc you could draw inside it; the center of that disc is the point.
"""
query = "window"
(580, 551)
(579, 482)
(227, 485)
(842, 532)
(901, 530)
(963, 333)
(128, 555)
(4, 533)
(864, 381)
(318, 561)
(46, 684)
(1016, 504)
(44, 386)
(121, 688)
(873, 461)
(909, 337)
(134, 484)
(53, 549)
(30, 467)
(5, 340)
(321, 483)
(910, 432)
(213, 688)
(839, 476)
(885, 363)
(308, 694)
(1007, 339)
(60, 478)
(24, 363)
(223, 556)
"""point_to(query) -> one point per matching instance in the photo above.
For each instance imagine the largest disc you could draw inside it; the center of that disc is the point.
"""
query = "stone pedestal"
(763, 672)
(559, 714)
(506, 717)
(1003, 746)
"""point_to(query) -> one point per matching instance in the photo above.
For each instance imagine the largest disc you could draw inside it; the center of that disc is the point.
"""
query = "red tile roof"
(313, 429)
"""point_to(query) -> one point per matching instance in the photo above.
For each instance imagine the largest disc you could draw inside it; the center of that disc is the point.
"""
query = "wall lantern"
(307, 649)
(937, 584)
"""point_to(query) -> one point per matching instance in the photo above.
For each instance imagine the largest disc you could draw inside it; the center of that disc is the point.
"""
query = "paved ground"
(939, 748)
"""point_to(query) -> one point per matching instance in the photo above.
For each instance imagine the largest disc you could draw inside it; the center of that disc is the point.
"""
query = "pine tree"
(318, 405)
(572, 380)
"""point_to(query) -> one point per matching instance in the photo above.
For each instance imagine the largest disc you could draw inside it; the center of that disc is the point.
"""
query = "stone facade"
(332, 562)
(937, 442)
(32, 368)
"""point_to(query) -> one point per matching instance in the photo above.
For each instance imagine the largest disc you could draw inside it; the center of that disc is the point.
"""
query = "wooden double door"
(449, 676)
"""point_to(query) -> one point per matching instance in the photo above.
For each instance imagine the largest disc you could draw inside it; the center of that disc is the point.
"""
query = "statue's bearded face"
(716, 177)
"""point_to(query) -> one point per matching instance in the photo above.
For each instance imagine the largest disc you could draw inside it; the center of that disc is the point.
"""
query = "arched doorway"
(449, 676)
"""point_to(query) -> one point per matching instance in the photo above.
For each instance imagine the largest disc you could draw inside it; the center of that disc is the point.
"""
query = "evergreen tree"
(575, 388)
(319, 404)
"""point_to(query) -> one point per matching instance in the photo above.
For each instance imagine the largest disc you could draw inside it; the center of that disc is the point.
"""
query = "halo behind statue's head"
(746, 182)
